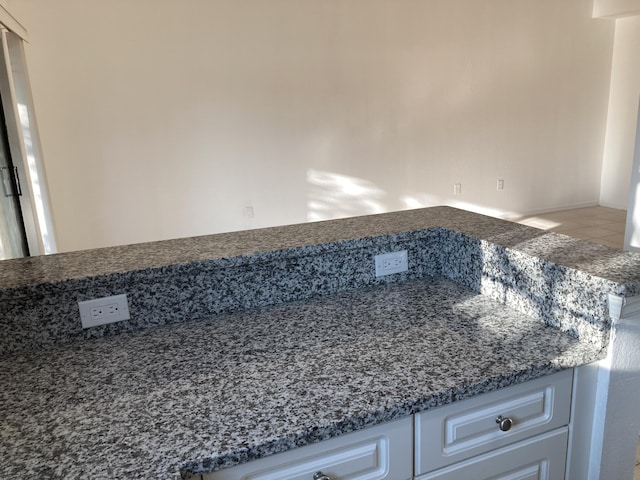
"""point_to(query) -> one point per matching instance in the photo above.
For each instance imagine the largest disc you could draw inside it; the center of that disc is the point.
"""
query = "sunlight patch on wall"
(420, 200)
(332, 195)
(423, 200)
(489, 211)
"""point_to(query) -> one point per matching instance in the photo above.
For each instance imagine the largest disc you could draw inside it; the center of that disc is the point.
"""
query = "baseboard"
(611, 205)
(559, 208)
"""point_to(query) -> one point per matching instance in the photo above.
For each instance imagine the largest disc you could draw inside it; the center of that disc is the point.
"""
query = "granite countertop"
(198, 396)
(26, 275)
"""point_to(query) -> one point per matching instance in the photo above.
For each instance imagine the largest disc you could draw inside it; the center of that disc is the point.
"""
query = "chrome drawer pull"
(504, 423)
(321, 476)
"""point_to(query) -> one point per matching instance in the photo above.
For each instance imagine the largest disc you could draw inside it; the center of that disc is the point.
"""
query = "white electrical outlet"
(457, 188)
(500, 184)
(101, 311)
(388, 263)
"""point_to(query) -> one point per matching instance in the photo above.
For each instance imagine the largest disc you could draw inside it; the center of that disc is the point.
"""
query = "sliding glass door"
(26, 226)
(13, 239)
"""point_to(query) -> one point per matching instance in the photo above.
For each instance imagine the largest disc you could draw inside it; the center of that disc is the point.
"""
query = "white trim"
(11, 23)
(570, 206)
(613, 205)
(632, 230)
(616, 420)
(517, 215)
(581, 427)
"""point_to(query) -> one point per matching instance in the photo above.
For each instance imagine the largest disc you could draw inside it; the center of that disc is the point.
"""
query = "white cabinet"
(377, 453)
(516, 433)
(461, 430)
(541, 457)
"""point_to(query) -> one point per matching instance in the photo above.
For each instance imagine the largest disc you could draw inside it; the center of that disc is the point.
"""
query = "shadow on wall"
(332, 195)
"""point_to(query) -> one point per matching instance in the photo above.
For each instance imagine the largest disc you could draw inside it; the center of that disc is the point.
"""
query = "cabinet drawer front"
(539, 458)
(461, 430)
(381, 452)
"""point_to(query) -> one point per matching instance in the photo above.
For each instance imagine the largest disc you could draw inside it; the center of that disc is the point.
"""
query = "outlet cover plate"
(101, 311)
(388, 263)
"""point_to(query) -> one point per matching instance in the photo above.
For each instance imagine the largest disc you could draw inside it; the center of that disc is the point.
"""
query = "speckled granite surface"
(24, 276)
(561, 280)
(198, 396)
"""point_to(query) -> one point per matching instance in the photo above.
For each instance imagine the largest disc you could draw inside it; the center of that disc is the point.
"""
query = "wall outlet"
(101, 311)
(500, 184)
(457, 188)
(388, 263)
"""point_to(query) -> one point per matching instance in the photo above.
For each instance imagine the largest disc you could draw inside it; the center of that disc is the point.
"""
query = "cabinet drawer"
(468, 428)
(381, 452)
(539, 458)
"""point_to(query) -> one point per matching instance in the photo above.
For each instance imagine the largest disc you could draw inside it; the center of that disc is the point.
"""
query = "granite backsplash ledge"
(186, 292)
(563, 281)
(565, 298)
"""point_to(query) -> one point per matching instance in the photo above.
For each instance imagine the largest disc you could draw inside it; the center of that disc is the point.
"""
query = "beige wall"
(615, 8)
(622, 145)
(622, 114)
(164, 119)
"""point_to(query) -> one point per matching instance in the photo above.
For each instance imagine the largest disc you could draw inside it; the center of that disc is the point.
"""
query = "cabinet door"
(381, 452)
(461, 430)
(538, 458)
